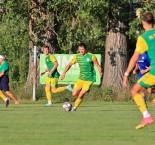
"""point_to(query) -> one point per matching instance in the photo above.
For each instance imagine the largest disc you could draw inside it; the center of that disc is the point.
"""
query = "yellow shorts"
(147, 80)
(81, 84)
(52, 81)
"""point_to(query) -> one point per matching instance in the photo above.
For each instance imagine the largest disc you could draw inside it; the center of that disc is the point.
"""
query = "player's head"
(148, 21)
(82, 48)
(2, 58)
(45, 49)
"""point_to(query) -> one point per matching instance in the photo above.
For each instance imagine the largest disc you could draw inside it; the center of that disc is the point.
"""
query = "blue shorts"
(4, 83)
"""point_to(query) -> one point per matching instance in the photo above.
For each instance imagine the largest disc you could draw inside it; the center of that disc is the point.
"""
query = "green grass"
(94, 123)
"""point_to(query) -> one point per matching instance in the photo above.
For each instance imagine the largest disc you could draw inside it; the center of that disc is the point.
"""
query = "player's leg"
(48, 92)
(137, 92)
(85, 88)
(54, 83)
(8, 93)
(138, 78)
(6, 100)
(79, 99)
(145, 82)
(77, 88)
(7, 89)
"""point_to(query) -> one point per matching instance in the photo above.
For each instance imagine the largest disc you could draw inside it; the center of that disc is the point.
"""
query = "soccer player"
(87, 76)
(53, 76)
(143, 64)
(145, 43)
(4, 81)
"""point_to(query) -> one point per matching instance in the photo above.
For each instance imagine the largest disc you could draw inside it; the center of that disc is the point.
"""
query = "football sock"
(3, 96)
(77, 102)
(48, 94)
(49, 102)
(57, 90)
(140, 102)
(146, 114)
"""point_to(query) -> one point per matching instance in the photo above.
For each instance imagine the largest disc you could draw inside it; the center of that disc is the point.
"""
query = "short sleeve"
(73, 61)
(94, 57)
(5, 66)
(53, 58)
(141, 45)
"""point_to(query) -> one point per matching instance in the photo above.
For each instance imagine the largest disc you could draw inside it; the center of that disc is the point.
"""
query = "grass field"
(94, 123)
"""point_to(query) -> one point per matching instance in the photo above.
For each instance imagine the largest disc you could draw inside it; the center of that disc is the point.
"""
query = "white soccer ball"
(67, 106)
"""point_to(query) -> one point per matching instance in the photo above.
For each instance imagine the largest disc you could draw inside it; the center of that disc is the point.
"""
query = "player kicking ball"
(87, 77)
(145, 43)
(4, 81)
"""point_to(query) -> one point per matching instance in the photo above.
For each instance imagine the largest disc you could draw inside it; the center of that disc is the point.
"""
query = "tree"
(46, 21)
(40, 32)
(123, 27)
(116, 44)
(62, 25)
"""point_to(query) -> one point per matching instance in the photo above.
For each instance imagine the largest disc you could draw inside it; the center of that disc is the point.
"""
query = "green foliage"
(14, 39)
(75, 23)
(135, 27)
(72, 21)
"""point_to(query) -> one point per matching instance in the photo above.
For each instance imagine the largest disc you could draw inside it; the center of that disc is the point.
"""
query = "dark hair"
(82, 45)
(149, 18)
(46, 46)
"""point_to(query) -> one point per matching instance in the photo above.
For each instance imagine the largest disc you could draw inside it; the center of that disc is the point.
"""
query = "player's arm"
(146, 70)
(131, 65)
(135, 69)
(95, 61)
(141, 47)
(73, 61)
(132, 62)
(98, 67)
(46, 70)
(2, 73)
(65, 71)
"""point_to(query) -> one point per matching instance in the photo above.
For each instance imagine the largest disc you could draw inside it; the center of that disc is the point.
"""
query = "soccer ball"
(67, 106)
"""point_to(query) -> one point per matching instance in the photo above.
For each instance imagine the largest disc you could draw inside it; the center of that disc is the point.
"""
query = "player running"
(4, 80)
(145, 43)
(53, 76)
(87, 76)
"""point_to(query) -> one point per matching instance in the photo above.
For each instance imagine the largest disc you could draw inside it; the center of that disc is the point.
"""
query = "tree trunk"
(115, 56)
(41, 33)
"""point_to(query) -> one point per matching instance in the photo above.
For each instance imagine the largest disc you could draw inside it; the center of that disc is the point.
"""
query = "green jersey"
(50, 59)
(86, 64)
(4, 66)
(146, 42)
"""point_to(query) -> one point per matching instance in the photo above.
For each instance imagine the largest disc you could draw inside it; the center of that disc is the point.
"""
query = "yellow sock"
(48, 94)
(57, 90)
(77, 102)
(2, 96)
(139, 100)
